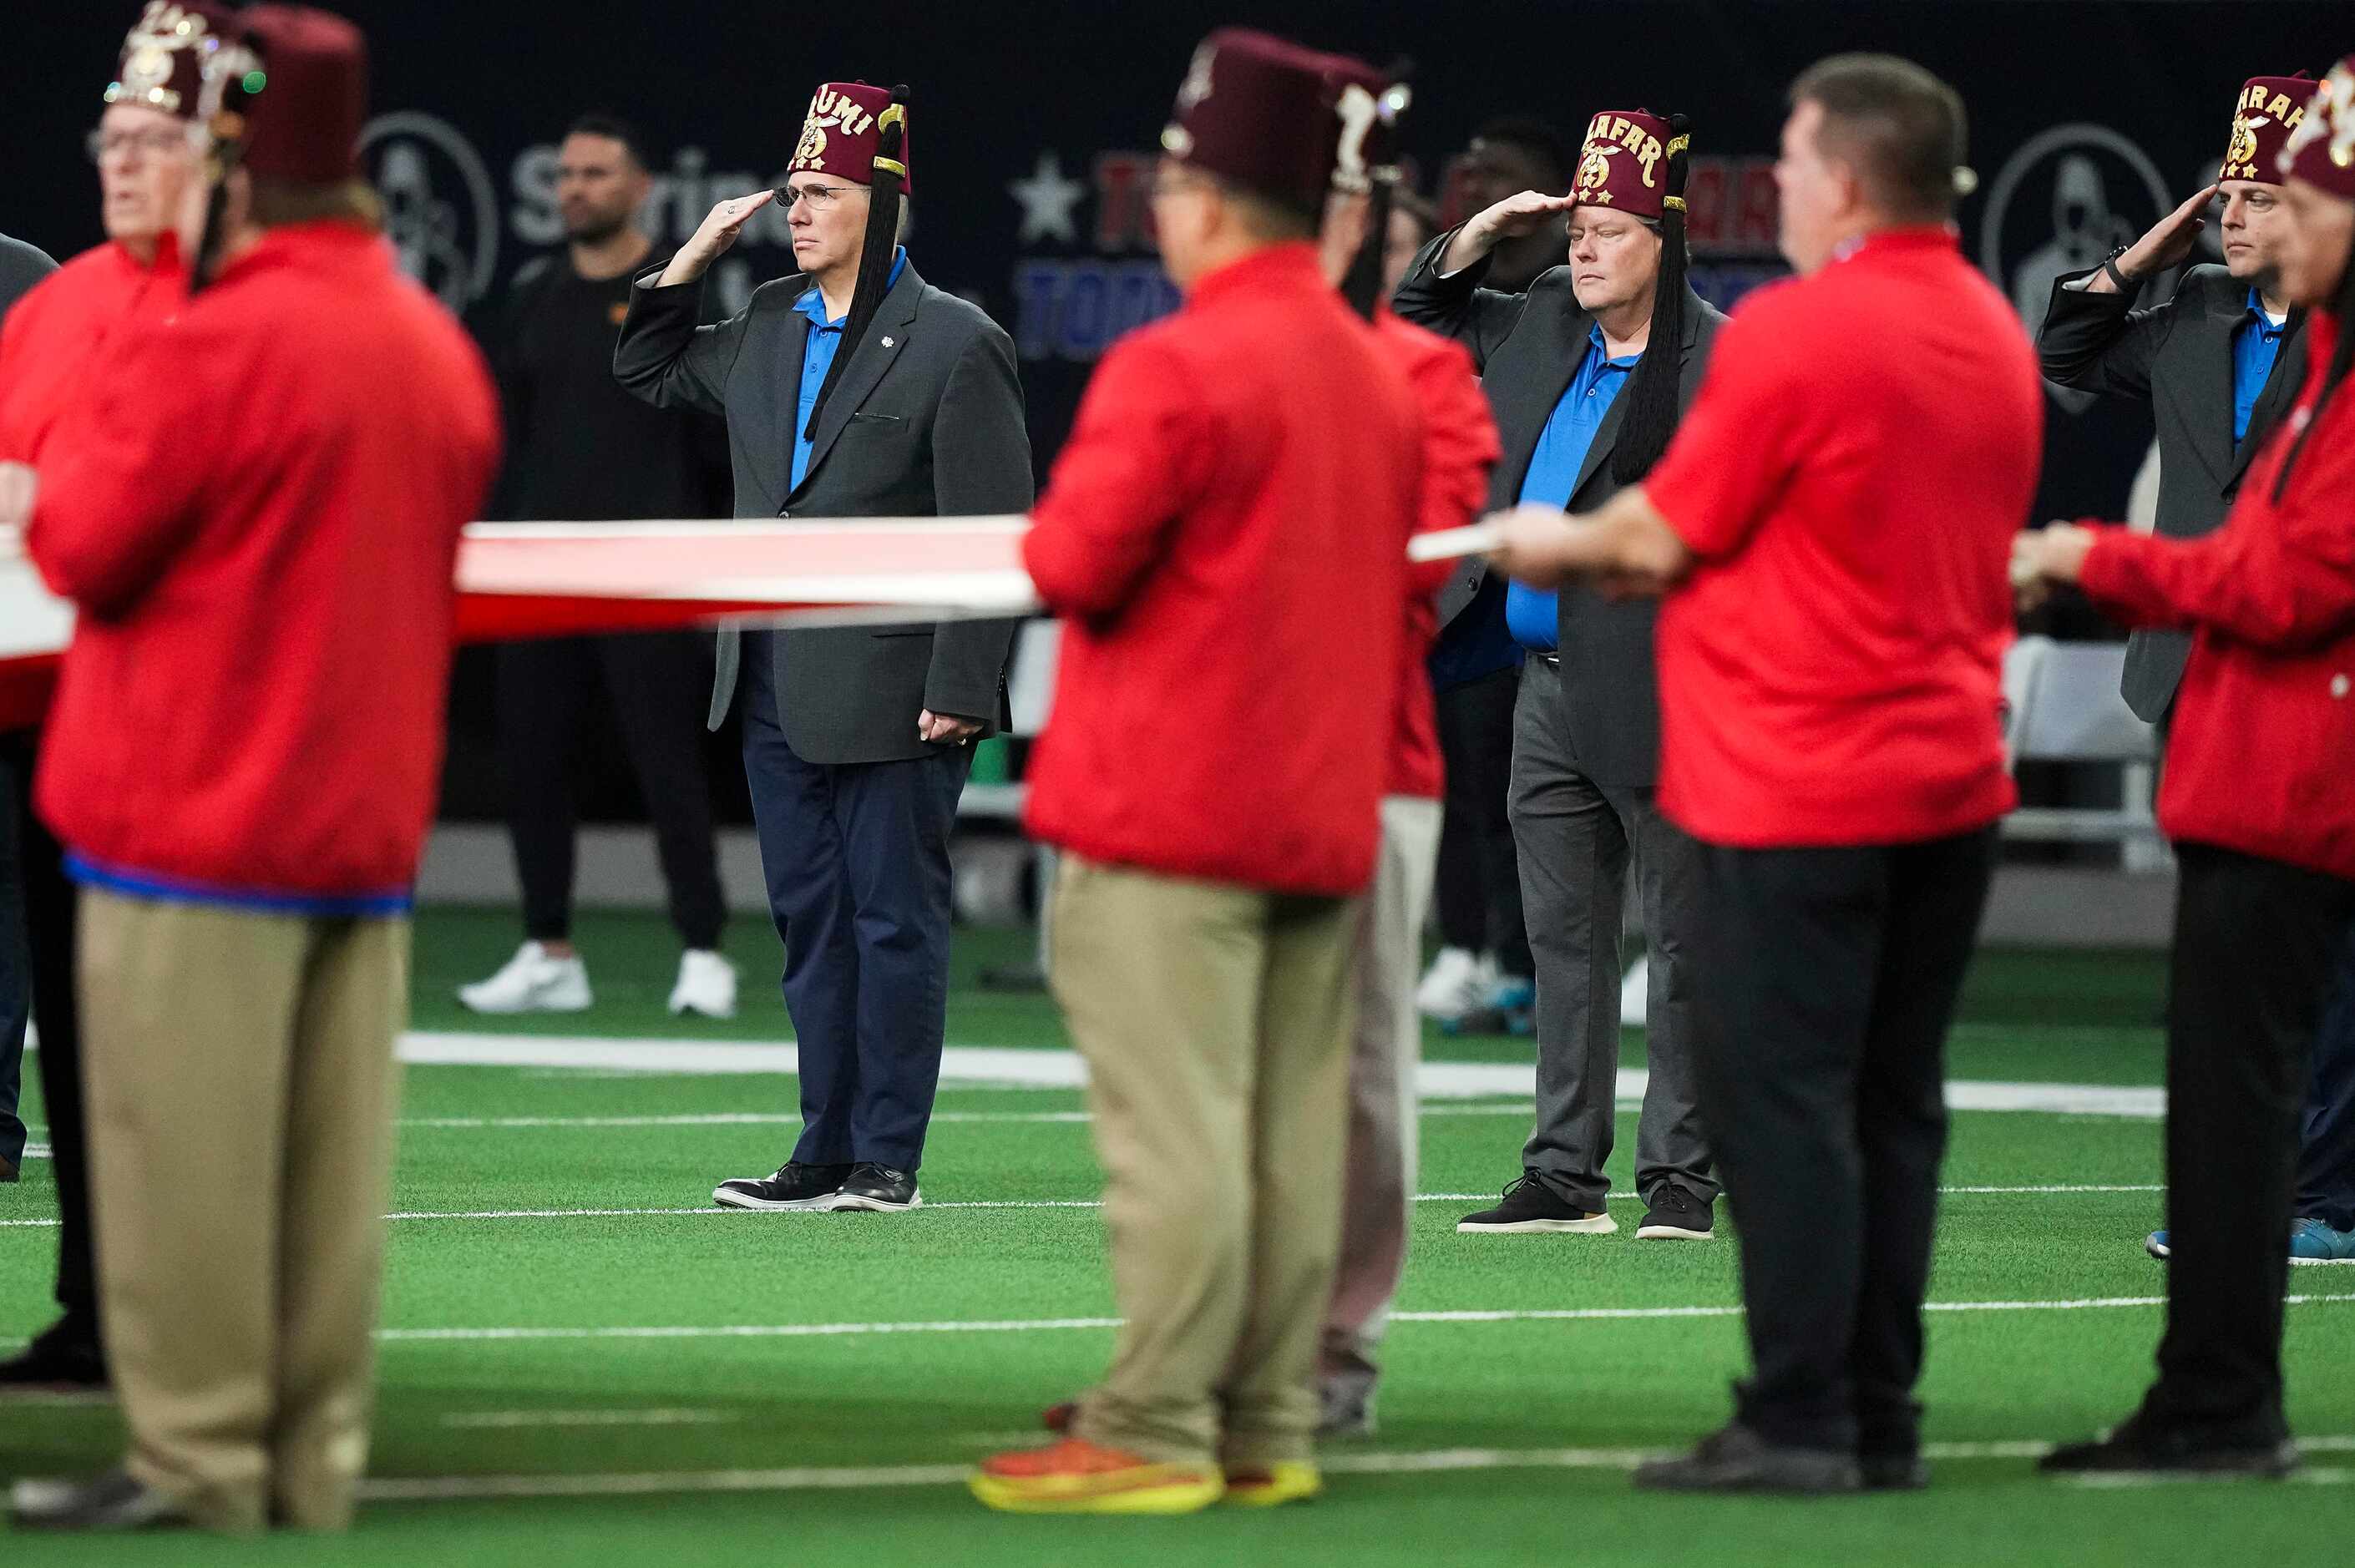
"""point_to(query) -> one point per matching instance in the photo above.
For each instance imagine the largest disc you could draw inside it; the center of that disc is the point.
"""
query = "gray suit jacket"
(930, 425)
(1527, 347)
(2178, 358)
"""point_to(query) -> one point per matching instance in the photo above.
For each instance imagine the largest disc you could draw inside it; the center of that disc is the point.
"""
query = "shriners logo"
(164, 29)
(2257, 110)
(441, 210)
(2332, 115)
(829, 111)
(1607, 136)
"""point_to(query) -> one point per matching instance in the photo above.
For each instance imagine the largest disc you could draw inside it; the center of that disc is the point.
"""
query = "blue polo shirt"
(1534, 615)
(817, 358)
(2256, 343)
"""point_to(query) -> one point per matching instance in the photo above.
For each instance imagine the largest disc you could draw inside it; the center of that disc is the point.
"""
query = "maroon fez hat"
(1261, 112)
(293, 92)
(2267, 111)
(1624, 164)
(1368, 103)
(164, 55)
(2321, 147)
(843, 134)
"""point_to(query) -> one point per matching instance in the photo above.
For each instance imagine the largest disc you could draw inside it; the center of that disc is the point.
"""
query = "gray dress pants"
(1575, 838)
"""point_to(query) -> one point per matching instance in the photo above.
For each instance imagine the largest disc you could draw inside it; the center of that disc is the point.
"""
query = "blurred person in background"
(21, 267)
(241, 766)
(51, 344)
(2255, 801)
(1480, 980)
(1585, 407)
(578, 447)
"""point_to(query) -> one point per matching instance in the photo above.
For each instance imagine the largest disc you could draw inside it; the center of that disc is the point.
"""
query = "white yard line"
(709, 1210)
(1434, 1461)
(1045, 1325)
(501, 1420)
(1063, 1070)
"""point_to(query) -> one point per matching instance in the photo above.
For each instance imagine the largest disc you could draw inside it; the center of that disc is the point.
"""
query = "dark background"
(2084, 104)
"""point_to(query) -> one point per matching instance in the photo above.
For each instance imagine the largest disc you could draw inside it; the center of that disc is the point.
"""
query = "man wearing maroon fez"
(2256, 803)
(51, 340)
(1588, 373)
(1225, 535)
(241, 766)
(853, 388)
(1829, 531)
(2220, 362)
(1460, 447)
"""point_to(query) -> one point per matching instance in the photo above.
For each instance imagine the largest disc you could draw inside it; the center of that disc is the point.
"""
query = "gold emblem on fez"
(2243, 153)
(149, 68)
(812, 148)
(1595, 169)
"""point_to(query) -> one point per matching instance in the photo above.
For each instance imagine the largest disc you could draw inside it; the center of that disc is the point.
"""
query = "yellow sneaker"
(1075, 1476)
(1269, 1486)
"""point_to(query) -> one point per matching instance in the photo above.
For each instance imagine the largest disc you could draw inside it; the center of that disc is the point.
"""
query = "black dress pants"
(1827, 981)
(1478, 887)
(656, 682)
(49, 927)
(2257, 945)
(2326, 1168)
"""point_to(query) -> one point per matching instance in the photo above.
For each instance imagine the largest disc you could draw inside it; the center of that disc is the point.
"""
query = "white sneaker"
(1457, 981)
(706, 985)
(534, 980)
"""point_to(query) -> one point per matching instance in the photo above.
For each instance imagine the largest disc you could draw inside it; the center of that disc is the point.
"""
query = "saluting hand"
(717, 231)
(2167, 243)
(2043, 556)
(1508, 219)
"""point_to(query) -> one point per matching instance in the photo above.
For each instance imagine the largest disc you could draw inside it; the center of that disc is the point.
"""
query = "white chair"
(2065, 708)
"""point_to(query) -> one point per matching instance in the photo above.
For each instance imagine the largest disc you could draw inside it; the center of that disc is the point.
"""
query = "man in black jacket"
(579, 448)
(1584, 405)
(851, 389)
(2219, 361)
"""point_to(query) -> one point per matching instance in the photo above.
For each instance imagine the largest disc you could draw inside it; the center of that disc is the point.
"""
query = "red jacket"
(52, 339)
(2261, 751)
(258, 526)
(1225, 532)
(1459, 447)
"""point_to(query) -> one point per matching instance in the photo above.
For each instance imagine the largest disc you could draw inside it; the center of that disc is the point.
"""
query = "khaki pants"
(1215, 1023)
(1377, 1189)
(241, 1086)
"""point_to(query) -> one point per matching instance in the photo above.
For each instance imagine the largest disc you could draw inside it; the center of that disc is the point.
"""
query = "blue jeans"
(857, 860)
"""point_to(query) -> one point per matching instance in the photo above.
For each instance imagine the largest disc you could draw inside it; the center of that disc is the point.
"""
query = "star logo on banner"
(1048, 198)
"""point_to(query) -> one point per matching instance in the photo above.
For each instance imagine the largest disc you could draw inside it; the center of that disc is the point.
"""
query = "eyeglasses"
(819, 197)
(102, 145)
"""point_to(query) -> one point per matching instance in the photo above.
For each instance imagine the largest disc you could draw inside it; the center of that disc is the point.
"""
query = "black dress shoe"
(2141, 1447)
(878, 1188)
(1530, 1207)
(1675, 1214)
(1736, 1459)
(113, 1501)
(798, 1188)
(63, 1358)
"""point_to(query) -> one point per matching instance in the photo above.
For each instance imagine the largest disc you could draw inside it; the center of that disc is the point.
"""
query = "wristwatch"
(2110, 264)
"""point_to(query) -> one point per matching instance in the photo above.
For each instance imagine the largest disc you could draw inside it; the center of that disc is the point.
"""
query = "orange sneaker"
(1267, 1485)
(1077, 1477)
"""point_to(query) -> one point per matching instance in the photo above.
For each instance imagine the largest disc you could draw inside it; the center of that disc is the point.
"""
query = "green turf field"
(819, 1382)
